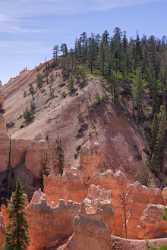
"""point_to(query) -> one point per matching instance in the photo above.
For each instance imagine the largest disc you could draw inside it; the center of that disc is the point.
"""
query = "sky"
(30, 28)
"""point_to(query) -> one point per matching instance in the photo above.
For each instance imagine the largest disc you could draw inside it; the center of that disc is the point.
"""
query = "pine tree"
(137, 94)
(101, 58)
(92, 52)
(71, 85)
(138, 52)
(64, 49)
(154, 131)
(156, 162)
(114, 88)
(17, 237)
(55, 52)
(116, 50)
(84, 46)
(124, 61)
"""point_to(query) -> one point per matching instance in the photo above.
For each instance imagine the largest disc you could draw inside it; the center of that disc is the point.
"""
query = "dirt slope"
(82, 121)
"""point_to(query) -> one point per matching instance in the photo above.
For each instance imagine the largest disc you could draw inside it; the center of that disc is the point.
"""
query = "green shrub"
(28, 116)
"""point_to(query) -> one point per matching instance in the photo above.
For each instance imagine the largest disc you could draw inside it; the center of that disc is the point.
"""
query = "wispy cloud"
(23, 8)
(15, 14)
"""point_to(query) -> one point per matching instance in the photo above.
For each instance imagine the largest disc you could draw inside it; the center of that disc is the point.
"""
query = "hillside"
(82, 121)
(85, 135)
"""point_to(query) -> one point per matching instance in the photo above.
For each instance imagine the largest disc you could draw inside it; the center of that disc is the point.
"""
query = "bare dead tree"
(124, 204)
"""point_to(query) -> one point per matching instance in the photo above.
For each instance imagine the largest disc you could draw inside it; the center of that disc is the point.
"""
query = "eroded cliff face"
(26, 160)
(125, 205)
(97, 202)
(72, 212)
(91, 222)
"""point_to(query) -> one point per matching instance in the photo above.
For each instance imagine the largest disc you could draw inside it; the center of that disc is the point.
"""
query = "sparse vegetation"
(28, 116)
(39, 81)
(71, 88)
(80, 76)
(31, 90)
(98, 101)
(51, 90)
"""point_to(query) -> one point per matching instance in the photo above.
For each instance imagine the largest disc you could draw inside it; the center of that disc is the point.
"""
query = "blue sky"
(30, 28)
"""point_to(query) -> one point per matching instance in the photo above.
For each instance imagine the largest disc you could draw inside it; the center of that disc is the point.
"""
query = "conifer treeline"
(142, 61)
(117, 54)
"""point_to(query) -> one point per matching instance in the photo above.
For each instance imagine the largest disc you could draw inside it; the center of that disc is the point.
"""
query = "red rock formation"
(128, 200)
(48, 223)
(67, 187)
